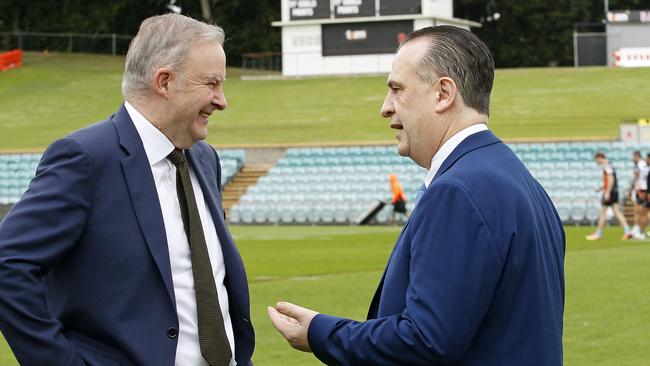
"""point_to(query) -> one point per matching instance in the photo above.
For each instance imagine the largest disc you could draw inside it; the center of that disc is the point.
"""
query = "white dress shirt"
(157, 146)
(449, 146)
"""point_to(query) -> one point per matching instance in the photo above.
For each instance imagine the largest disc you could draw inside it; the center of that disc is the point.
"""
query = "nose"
(387, 108)
(219, 99)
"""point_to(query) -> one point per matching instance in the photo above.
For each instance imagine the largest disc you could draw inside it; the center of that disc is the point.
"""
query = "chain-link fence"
(114, 44)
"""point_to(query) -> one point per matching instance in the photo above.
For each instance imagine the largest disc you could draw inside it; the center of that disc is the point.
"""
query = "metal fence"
(114, 44)
(262, 61)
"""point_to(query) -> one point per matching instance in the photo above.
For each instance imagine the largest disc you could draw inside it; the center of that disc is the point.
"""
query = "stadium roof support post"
(575, 46)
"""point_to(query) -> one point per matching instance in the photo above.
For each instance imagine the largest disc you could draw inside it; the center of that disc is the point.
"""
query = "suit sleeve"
(39, 230)
(454, 270)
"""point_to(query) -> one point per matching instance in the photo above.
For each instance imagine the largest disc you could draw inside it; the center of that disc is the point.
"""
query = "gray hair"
(163, 41)
(460, 55)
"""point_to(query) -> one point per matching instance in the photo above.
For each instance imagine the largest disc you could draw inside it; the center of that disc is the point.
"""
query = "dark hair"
(600, 154)
(460, 55)
(637, 153)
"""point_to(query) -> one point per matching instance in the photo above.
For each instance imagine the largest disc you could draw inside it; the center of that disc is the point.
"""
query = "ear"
(446, 94)
(161, 81)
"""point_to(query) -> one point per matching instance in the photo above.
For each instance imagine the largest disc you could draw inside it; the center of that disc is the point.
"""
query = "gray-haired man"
(118, 253)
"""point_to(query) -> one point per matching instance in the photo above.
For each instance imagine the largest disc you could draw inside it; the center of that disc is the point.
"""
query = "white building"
(336, 37)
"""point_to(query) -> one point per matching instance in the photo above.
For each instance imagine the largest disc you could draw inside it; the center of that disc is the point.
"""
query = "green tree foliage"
(247, 23)
(526, 33)
(535, 32)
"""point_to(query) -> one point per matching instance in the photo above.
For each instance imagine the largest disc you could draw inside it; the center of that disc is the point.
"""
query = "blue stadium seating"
(335, 185)
(17, 170)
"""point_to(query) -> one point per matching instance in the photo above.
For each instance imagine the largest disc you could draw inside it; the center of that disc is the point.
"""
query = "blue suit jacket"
(476, 276)
(85, 274)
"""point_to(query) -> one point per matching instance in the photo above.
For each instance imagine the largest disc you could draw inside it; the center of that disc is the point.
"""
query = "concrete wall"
(302, 55)
(622, 35)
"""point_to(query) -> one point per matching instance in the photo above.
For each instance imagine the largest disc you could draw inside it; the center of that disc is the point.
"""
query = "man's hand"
(292, 321)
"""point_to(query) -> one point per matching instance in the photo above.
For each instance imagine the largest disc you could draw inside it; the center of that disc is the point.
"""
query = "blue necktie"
(419, 194)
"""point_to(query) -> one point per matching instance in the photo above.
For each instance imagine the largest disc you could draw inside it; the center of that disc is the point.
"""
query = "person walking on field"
(609, 199)
(639, 187)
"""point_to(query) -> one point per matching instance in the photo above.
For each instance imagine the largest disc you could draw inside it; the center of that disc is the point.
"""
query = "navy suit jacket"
(476, 276)
(85, 275)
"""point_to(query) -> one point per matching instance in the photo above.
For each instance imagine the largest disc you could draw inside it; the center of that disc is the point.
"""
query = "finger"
(273, 313)
(295, 311)
(277, 320)
(287, 330)
(284, 307)
(281, 320)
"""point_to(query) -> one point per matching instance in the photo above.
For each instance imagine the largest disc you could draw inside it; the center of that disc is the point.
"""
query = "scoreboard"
(335, 37)
(364, 38)
(325, 9)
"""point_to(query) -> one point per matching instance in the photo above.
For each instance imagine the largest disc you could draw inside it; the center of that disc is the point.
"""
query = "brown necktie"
(212, 333)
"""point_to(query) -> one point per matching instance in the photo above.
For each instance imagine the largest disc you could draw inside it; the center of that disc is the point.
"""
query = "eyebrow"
(216, 76)
(394, 84)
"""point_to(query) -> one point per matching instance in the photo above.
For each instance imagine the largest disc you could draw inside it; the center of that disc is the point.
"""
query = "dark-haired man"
(477, 274)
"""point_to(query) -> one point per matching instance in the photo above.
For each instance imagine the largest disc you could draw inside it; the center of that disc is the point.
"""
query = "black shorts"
(399, 206)
(613, 198)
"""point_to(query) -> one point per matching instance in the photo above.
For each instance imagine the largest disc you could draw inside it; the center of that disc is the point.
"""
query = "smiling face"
(195, 93)
(410, 105)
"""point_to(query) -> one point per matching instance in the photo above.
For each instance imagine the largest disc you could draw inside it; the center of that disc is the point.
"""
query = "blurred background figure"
(398, 199)
(639, 186)
(609, 199)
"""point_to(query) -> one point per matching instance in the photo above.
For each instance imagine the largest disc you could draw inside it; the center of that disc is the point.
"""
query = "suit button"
(172, 332)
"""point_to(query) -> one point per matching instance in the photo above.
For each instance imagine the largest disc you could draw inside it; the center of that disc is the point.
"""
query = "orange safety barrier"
(11, 60)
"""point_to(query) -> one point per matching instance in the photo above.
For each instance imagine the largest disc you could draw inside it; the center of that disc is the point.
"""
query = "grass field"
(336, 269)
(54, 94)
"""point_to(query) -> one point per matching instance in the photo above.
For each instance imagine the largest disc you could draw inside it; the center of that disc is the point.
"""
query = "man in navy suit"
(476, 276)
(119, 246)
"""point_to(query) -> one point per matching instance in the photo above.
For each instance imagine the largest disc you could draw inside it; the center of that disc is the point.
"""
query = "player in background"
(639, 186)
(609, 199)
(647, 197)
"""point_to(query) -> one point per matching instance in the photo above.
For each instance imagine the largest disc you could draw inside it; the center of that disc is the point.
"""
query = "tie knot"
(177, 157)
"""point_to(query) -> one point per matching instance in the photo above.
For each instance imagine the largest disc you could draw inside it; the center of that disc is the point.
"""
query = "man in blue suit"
(476, 276)
(118, 253)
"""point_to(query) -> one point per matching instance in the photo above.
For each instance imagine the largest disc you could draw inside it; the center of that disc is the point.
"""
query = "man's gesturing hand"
(292, 321)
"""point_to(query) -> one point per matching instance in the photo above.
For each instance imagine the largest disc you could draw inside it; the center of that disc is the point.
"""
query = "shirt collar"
(447, 148)
(156, 145)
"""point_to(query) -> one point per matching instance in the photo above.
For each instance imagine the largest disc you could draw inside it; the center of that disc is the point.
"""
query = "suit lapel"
(144, 196)
(235, 280)
(472, 142)
(374, 304)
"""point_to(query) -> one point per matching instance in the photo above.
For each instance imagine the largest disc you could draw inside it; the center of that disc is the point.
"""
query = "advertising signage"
(364, 38)
(309, 9)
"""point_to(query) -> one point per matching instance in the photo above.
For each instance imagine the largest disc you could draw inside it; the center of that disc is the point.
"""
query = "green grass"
(55, 94)
(336, 270)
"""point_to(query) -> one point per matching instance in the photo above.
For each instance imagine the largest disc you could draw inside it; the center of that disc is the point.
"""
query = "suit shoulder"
(95, 135)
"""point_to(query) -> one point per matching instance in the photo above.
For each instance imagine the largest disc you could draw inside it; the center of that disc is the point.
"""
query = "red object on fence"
(11, 60)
